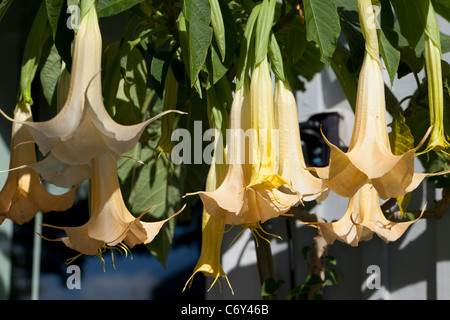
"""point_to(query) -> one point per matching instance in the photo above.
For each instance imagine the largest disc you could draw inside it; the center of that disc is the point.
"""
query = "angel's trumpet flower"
(369, 158)
(23, 194)
(110, 223)
(237, 200)
(83, 129)
(362, 219)
(212, 234)
(170, 101)
(438, 140)
(292, 167)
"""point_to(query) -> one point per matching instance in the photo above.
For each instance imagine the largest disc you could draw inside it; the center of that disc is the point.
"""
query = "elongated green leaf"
(388, 40)
(442, 7)
(107, 8)
(276, 59)
(322, 25)
(427, 19)
(401, 140)
(33, 48)
(411, 25)
(391, 57)
(198, 15)
(263, 28)
(218, 26)
(62, 35)
(49, 75)
(246, 48)
(4, 5)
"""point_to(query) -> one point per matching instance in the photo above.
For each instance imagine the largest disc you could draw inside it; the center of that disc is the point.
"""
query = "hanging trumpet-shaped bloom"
(292, 167)
(212, 234)
(83, 129)
(170, 101)
(438, 139)
(248, 195)
(110, 223)
(362, 219)
(23, 194)
(369, 157)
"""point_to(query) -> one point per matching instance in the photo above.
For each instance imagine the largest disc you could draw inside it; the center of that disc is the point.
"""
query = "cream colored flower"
(212, 234)
(292, 167)
(23, 194)
(362, 219)
(249, 194)
(110, 222)
(369, 158)
(83, 129)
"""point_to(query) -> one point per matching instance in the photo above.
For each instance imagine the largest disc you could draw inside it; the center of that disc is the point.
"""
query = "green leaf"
(107, 8)
(214, 67)
(391, 57)
(246, 50)
(342, 67)
(133, 94)
(334, 275)
(198, 15)
(4, 5)
(33, 48)
(49, 76)
(403, 202)
(410, 22)
(262, 30)
(445, 43)
(305, 252)
(331, 259)
(401, 141)
(276, 59)
(306, 67)
(62, 35)
(322, 25)
(313, 279)
(389, 40)
(217, 24)
(152, 184)
(400, 137)
(442, 7)
(351, 28)
(270, 286)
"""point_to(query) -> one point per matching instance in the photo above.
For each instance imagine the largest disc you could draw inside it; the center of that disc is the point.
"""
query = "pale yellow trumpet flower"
(438, 139)
(292, 167)
(369, 158)
(83, 129)
(110, 223)
(23, 194)
(212, 234)
(362, 219)
(237, 200)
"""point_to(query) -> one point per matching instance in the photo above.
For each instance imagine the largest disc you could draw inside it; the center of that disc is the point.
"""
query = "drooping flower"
(83, 129)
(369, 169)
(362, 219)
(369, 158)
(23, 194)
(110, 222)
(438, 139)
(249, 194)
(212, 234)
(292, 167)
(170, 101)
